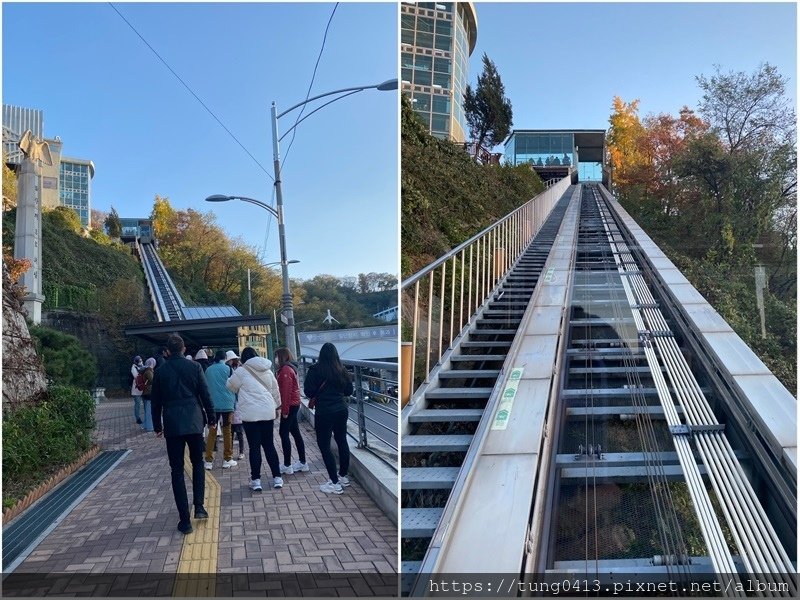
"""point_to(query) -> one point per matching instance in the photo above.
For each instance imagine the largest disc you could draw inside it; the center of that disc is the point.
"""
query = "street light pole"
(288, 308)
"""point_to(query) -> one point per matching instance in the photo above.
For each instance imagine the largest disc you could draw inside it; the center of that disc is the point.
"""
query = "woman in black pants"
(290, 408)
(259, 404)
(328, 384)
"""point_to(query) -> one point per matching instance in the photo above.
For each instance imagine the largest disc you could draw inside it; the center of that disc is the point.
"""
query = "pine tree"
(487, 110)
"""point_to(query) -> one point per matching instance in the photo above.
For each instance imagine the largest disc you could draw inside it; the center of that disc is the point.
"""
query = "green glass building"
(436, 41)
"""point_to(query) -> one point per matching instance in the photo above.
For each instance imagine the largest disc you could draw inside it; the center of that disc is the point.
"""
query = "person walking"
(259, 404)
(232, 360)
(136, 368)
(290, 410)
(328, 384)
(181, 399)
(148, 374)
(224, 401)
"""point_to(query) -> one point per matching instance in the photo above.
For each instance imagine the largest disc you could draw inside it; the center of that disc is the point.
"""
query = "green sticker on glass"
(507, 399)
(548, 276)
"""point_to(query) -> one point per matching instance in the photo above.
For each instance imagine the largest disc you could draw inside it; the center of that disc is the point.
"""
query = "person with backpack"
(290, 408)
(224, 401)
(259, 403)
(147, 375)
(137, 387)
(327, 385)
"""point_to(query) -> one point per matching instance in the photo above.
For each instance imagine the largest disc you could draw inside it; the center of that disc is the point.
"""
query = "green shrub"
(66, 218)
(66, 362)
(39, 439)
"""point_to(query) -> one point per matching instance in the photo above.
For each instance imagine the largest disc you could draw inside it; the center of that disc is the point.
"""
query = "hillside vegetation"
(716, 188)
(208, 267)
(447, 197)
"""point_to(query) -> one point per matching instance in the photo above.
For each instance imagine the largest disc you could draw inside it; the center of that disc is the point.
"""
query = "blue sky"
(111, 101)
(563, 63)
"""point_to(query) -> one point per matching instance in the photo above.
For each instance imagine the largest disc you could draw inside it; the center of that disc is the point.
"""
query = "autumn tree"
(9, 186)
(630, 164)
(97, 218)
(487, 109)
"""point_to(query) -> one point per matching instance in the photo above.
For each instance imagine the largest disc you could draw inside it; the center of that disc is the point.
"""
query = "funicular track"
(642, 477)
(441, 433)
(166, 299)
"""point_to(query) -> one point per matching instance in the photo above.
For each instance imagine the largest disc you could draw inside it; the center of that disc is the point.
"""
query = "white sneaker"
(241, 457)
(287, 470)
(300, 466)
(277, 482)
(229, 463)
(255, 485)
(331, 488)
(209, 465)
(344, 480)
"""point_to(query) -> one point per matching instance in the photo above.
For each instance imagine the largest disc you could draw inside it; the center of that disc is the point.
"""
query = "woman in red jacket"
(290, 407)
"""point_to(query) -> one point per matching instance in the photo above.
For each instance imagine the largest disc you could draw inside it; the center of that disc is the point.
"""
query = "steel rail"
(759, 546)
(712, 532)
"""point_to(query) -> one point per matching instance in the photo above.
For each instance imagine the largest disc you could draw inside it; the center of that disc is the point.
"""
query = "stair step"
(470, 374)
(477, 358)
(446, 415)
(486, 344)
(504, 324)
(475, 393)
(436, 443)
(477, 332)
(429, 478)
(419, 522)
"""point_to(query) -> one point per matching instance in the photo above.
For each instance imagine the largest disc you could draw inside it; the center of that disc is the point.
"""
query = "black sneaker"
(200, 512)
(185, 528)
(138, 421)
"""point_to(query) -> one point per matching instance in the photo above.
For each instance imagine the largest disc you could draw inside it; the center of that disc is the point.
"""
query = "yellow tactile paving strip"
(197, 565)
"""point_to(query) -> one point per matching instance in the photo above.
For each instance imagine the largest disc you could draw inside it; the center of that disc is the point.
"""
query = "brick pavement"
(127, 525)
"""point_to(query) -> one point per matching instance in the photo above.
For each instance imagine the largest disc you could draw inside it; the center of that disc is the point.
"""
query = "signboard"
(348, 335)
(550, 274)
(507, 400)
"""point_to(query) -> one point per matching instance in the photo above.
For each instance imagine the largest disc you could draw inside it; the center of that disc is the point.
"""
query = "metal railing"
(373, 405)
(441, 300)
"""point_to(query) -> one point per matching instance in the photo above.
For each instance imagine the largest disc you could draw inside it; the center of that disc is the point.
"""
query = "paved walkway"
(127, 525)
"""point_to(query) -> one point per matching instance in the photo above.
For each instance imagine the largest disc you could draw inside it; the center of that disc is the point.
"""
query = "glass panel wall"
(542, 149)
(590, 171)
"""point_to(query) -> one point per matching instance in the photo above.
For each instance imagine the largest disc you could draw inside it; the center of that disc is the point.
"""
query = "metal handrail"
(464, 278)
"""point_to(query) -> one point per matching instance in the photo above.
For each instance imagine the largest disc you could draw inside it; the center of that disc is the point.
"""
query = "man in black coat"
(180, 391)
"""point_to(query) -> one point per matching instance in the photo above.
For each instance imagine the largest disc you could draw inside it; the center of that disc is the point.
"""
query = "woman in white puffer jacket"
(259, 404)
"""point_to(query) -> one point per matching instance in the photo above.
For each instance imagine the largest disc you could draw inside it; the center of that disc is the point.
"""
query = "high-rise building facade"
(68, 181)
(436, 41)
(75, 186)
(16, 120)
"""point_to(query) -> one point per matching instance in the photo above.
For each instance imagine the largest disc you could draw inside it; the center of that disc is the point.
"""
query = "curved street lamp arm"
(285, 133)
(350, 89)
(263, 205)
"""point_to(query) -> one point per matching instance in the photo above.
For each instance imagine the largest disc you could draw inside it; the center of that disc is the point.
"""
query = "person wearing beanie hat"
(136, 368)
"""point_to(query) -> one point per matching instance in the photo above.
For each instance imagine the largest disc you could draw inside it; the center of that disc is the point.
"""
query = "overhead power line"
(191, 91)
(311, 84)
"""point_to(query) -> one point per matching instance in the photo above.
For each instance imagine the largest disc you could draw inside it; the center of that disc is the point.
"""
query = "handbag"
(312, 402)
